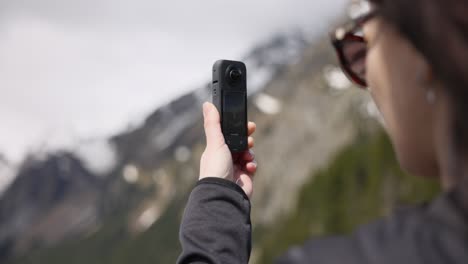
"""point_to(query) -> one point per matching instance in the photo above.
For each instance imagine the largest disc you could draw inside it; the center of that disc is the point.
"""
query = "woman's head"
(417, 70)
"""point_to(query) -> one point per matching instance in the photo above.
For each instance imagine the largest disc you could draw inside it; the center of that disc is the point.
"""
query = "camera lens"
(235, 75)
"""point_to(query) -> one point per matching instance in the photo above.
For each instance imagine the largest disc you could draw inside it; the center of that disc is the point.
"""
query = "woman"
(414, 56)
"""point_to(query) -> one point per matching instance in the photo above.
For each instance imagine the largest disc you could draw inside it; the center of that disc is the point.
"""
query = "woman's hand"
(217, 160)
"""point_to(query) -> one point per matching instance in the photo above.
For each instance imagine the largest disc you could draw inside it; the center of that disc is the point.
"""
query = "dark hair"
(439, 31)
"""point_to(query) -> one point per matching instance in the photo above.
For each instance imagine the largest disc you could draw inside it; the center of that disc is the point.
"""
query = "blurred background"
(101, 126)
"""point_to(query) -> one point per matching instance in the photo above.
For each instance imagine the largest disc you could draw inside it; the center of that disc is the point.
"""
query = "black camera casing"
(229, 95)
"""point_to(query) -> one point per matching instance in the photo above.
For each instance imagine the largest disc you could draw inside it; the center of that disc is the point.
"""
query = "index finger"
(251, 126)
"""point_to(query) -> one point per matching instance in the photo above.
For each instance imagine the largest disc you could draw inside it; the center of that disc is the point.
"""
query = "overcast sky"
(80, 69)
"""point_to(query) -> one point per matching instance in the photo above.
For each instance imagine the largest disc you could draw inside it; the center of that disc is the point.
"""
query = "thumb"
(214, 135)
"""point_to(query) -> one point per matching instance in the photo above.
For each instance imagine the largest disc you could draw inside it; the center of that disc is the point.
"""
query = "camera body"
(229, 95)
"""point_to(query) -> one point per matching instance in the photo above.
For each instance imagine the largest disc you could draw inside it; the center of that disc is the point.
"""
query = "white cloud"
(88, 68)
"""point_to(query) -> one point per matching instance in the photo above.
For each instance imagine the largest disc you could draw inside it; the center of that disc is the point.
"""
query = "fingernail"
(205, 108)
(239, 182)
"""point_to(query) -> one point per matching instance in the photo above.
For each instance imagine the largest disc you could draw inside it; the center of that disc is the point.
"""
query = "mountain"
(7, 173)
(57, 197)
(48, 200)
(317, 143)
(172, 125)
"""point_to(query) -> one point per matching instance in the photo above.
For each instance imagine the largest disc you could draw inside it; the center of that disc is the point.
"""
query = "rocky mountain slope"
(59, 197)
(59, 209)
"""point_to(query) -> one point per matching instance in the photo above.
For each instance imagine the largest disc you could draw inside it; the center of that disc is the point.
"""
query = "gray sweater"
(216, 229)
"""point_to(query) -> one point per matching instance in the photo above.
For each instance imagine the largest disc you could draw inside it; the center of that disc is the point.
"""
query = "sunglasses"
(351, 48)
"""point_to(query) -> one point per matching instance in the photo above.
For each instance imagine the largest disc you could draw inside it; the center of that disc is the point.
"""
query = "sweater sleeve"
(216, 225)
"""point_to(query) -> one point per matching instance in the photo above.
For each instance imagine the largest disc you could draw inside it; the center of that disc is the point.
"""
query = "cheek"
(379, 85)
(390, 73)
